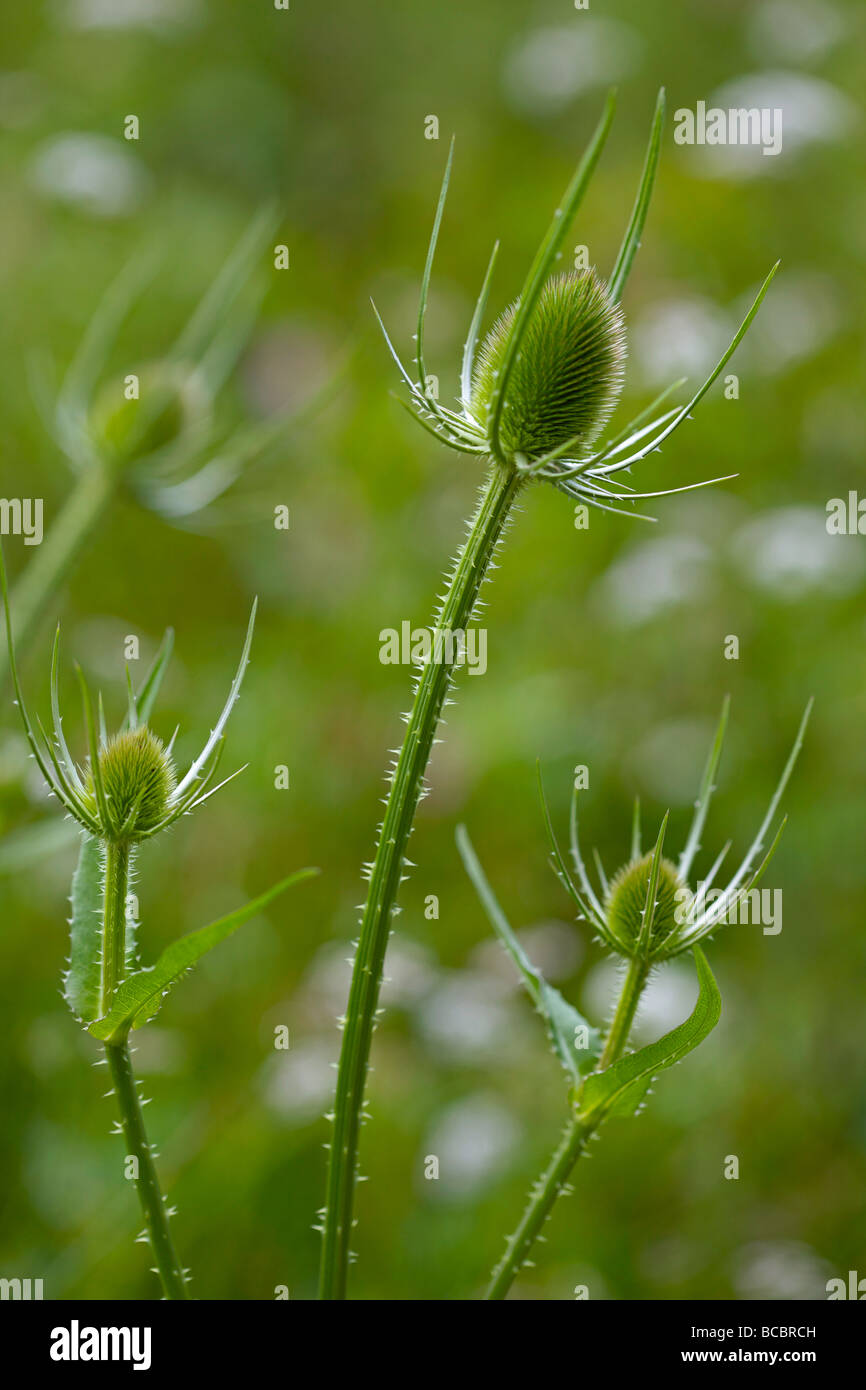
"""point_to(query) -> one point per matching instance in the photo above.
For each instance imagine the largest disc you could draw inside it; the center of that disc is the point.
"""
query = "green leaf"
(566, 1028)
(708, 783)
(93, 351)
(634, 231)
(620, 1089)
(140, 996)
(428, 269)
(651, 904)
(474, 330)
(212, 311)
(82, 981)
(543, 264)
(141, 704)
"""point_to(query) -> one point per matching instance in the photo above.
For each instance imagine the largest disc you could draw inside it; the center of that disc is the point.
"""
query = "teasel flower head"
(648, 909)
(172, 403)
(626, 897)
(127, 790)
(570, 372)
(536, 394)
(155, 425)
(138, 780)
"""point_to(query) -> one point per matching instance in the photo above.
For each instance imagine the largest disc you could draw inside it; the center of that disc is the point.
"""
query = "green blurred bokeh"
(606, 646)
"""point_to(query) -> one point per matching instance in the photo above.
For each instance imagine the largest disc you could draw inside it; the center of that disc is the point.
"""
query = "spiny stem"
(58, 552)
(117, 866)
(542, 1198)
(146, 1180)
(632, 988)
(388, 867)
(573, 1143)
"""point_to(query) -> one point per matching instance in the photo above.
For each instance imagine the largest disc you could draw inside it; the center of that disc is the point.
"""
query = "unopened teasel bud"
(138, 777)
(569, 371)
(627, 899)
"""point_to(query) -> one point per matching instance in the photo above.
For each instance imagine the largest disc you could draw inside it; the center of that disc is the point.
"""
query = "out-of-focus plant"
(646, 914)
(127, 792)
(534, 399)
(153, 431)
(161, 445)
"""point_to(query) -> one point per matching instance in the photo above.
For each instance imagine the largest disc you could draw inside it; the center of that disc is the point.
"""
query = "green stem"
(117, 865)
(544, 1194)
(623, 1018)
(573, 1144)
(388, 869)
(146, 1180)
(59, 550)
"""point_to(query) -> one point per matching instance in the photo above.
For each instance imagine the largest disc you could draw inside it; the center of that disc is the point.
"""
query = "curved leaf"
(574, 1041)
(620, 1089)
(140, 996)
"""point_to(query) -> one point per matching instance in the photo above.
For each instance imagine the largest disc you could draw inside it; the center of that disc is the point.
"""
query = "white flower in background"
(551, 66)
(469, 1018)
(788, 552)
(554, 946)
(669, 995)
(298, 1082)
(794, 30)
(783, 1269)
(662, 762)
(801, 319)
(473, 1141)
(95, 173)
(814, 112)
(652, 578)
(157, 15)
(678, 337)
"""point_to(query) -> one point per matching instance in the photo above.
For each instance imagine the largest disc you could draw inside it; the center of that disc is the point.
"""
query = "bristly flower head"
(569, 374)
(138, 779)
(128, 790)
(625, 902)
(540, 389)
(647, 910)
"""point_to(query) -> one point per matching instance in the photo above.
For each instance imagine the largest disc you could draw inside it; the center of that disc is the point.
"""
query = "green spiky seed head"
(171, 402)
(138, 777)
(569, 371)
(626, 901)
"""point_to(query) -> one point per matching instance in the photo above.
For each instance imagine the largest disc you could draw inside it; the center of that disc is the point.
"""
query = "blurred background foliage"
(606, 646)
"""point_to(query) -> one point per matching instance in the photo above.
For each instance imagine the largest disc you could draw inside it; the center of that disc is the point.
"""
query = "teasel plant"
(535, 395)
(645, 914)
(163, 449)
(125, 793)
(164, 446)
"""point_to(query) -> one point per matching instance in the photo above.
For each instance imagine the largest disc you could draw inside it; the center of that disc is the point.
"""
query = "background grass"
(606, 646)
